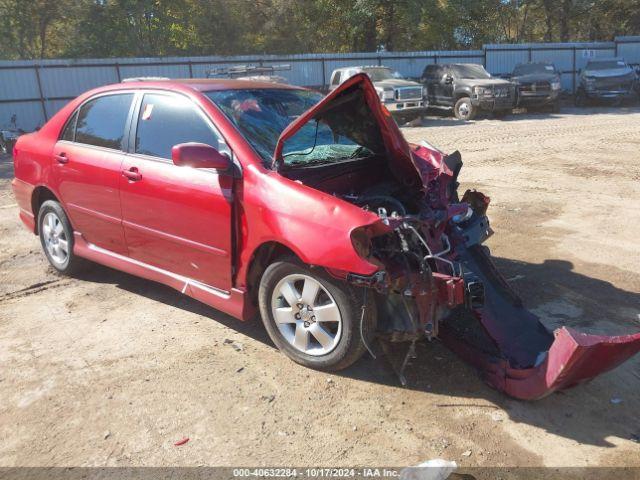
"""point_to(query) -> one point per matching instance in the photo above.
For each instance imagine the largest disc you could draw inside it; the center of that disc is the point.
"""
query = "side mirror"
(199, 155)
(447, 78)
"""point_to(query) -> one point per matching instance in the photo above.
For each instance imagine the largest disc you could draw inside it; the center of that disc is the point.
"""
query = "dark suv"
(467, 88)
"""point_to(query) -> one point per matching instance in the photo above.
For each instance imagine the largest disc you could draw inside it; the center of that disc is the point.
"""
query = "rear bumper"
(23, 192)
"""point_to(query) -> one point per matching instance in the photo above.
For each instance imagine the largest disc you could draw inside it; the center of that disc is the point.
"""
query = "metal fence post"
(573, 72)
(40, 91)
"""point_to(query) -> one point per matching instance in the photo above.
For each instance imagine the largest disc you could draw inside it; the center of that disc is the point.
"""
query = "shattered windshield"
(317, 143)
(533, 68)
(342, 131)
(469, 70)
(262, 114)
(381, 74)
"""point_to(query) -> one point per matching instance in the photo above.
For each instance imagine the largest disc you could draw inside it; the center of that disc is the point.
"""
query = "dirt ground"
(108, 369)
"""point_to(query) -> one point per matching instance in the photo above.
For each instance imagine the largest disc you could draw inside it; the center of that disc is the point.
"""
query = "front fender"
(316, 226)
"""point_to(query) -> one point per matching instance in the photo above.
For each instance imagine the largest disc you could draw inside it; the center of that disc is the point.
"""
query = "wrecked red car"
(315, 211)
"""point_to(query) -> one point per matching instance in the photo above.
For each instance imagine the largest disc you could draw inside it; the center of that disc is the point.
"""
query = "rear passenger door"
(176, 218)
(87, 168)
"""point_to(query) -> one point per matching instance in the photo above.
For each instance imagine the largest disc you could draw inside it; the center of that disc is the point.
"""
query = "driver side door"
(176, 218)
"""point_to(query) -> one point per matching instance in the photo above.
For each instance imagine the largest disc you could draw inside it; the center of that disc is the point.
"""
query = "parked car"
(467, 88)
(9, 135)
(537, 85)
(606, 79)
(258, 73)
(314, 211)
(403, 98)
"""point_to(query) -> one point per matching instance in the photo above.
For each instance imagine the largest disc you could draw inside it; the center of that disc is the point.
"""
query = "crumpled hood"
(398, 151)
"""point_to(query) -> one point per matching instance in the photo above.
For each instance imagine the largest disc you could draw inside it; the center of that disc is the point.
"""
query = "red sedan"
(315, 211)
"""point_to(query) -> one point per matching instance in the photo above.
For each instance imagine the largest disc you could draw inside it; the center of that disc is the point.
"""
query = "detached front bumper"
(514, 351)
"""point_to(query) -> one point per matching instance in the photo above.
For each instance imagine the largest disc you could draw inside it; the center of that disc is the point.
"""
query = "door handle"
(62, 158)
(132, 174)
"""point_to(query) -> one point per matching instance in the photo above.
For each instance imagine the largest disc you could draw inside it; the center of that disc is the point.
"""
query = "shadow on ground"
(6, 166)
(584, 414)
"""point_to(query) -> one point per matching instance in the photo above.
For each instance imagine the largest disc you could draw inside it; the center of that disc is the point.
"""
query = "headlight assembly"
(483, 91)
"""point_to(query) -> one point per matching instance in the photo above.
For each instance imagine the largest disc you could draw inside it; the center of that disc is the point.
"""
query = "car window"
(336, 78)
(469, 71)
(69, 131)
(261, 115)
(101, 121)
(167, 120)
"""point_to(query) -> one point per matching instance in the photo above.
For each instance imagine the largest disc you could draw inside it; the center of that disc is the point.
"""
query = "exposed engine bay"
(435, 279)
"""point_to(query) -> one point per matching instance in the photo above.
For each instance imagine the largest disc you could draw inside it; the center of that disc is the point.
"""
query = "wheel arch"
(263, 256)
(462, 94)
(40, 195)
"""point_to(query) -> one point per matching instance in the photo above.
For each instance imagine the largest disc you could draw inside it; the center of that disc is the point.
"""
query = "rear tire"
(464, 109)
(56, 238)
(312, 317)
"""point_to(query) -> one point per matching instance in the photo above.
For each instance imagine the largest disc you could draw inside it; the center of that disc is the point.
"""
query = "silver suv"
(405, 99)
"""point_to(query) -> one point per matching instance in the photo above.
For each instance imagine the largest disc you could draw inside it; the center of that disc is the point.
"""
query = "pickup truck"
(467, 88)
(538, 85)
(403, 98)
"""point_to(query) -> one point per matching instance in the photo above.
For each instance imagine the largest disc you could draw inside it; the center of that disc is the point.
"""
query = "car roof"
(205, 84)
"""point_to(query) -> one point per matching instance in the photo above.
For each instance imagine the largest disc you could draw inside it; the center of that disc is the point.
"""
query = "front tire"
(312, 317)
(464, 109)
(56, 238)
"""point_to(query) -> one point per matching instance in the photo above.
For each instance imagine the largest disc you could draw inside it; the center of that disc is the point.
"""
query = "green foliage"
(121, 28)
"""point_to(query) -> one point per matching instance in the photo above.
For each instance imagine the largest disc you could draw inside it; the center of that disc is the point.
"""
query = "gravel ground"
(108, 369)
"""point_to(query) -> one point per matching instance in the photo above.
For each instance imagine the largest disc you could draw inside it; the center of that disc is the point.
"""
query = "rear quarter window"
(101, 121)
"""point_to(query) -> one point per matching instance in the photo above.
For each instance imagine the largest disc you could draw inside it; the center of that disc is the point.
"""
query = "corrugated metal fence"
(32, 91)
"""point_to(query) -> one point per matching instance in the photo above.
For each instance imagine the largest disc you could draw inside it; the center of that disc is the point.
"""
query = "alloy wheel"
(306, 314)
(55, 239)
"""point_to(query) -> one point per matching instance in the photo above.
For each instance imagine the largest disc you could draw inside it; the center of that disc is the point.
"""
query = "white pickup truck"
(405, 99)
